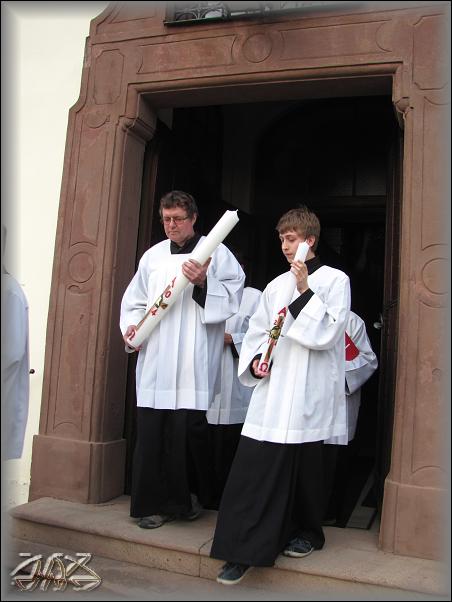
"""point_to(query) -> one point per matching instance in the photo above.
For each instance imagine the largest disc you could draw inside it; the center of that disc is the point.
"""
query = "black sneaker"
(155, 521)
(232, 573)
(298, 547)
(329, 522)
(195, 511)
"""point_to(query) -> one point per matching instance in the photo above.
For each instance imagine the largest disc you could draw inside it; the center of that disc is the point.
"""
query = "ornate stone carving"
(96, 117)
(187, 54)
(87, 203)
(402, 107)
(108, 76)
(73, 374)
(430, 57)
(139, 128)
(257, 47)
(427, 458)
(431, 284)
(434, 174)
(345, 39)
(396, 36)
(81, 267)
(434, 276)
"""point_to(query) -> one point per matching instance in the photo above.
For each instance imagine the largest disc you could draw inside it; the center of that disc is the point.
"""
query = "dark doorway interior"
(265, 158)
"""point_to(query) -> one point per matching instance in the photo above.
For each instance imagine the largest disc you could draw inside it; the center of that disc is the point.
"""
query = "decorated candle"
(278, 322)
(166, 299)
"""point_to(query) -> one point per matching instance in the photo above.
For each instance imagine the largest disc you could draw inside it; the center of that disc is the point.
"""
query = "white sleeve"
(237, 337)
(225, 280)
(321, 322)
(15, 329)
(135, 299)
(248, 306)
(255, 340)
(361, 368)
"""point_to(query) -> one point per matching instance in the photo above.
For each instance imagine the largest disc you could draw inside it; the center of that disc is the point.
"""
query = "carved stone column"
(413, 520)
(79, 453)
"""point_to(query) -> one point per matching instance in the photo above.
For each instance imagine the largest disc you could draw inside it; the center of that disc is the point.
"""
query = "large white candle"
(283, 303)
(164, 301)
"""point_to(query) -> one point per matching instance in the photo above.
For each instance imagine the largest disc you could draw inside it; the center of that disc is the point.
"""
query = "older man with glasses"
(178, 367)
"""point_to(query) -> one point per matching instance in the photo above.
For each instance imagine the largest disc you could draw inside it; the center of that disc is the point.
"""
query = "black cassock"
(274, 493)
(171, 460)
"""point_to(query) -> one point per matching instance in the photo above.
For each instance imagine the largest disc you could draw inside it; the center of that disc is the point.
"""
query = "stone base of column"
(413, 521)
(79, 471)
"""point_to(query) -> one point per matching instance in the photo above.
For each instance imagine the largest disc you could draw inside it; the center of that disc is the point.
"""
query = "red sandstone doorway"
(337, 156)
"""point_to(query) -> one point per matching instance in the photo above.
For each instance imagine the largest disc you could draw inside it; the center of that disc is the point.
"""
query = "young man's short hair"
(178, 198)
(302, 221)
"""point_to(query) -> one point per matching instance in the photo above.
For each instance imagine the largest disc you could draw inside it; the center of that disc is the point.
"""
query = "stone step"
(349, 565)
(126, 581)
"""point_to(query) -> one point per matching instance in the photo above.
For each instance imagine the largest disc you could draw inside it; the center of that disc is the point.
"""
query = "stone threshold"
(350, 558)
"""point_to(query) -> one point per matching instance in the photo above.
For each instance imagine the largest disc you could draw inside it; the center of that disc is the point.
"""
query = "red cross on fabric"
(351, 350)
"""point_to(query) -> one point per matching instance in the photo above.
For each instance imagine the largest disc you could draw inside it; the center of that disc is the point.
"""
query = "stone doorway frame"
(79, 453)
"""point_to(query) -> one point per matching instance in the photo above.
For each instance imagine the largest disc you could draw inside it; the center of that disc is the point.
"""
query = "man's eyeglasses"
(177, 220)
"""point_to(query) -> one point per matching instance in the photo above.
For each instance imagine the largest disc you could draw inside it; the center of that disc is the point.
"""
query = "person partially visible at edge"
(274, 497)
(227, 413)
(178, 366)
(15, 362)
(360, 363)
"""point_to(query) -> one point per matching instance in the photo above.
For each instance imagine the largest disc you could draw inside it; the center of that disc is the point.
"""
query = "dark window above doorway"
(199, 12)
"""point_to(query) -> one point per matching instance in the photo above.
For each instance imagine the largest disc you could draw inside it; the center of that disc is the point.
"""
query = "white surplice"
(179, 363)
(303, 398)
(357, 372)
(15, 365)
(231, 404)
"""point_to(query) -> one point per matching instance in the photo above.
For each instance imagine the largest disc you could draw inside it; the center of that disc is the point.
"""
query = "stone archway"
(134, 65)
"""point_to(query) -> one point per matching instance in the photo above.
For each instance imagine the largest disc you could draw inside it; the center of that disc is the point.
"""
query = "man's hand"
(227, 339)
(257, 372)
(195, 272)
(130, 333)
(300, 271)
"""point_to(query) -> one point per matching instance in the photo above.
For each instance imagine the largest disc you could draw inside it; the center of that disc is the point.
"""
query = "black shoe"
(232, 573)
(329, 522)
(154, 521)
(195, 511)
(298, 547)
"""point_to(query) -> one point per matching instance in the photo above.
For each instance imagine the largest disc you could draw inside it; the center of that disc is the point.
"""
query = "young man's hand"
(300, 271)
(257, 372)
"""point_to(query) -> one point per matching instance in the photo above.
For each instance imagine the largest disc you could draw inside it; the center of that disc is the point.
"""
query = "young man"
(273, 499)
(178, 366)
